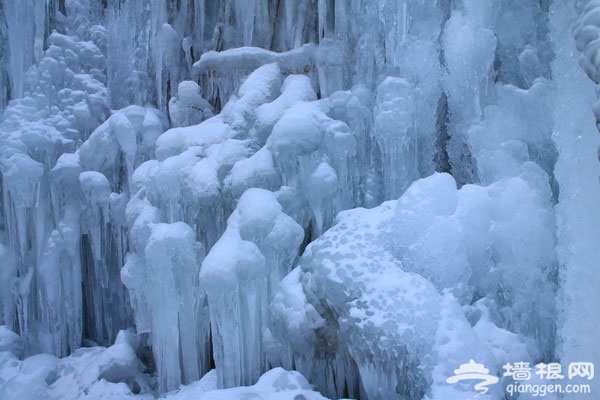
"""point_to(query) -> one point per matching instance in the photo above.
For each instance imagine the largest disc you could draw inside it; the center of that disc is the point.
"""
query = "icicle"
(21, 31)
(245, 12)
(164, 286)
(469, 54)
(8, 277)
(166, 63)
(239, 276)
(199, 23)
(395, 134)
(323, 15)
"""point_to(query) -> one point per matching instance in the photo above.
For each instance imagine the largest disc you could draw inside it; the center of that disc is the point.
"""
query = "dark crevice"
(145, 354)
(62, 7)
(307, 238)
(212, 364)
(441, 159)
(87, 281)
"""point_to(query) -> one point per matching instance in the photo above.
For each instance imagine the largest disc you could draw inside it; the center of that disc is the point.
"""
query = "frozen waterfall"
(297, 199)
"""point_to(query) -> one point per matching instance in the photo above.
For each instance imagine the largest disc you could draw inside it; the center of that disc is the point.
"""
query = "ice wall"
(65, 187)
(577, 172)
(200, 173)
(152, 44)
(56, 106)
(165, 163)
(25, 39)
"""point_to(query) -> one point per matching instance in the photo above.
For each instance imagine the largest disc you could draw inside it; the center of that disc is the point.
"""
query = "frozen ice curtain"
(298, 199)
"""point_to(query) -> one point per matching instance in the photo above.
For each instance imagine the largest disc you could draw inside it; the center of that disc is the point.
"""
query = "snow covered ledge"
(219, 72)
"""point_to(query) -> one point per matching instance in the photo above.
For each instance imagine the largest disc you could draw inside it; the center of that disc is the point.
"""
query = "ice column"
(395, 133)
(577, 172)
(469, 54)
(21, 33)
(239, 275)
(163, 281)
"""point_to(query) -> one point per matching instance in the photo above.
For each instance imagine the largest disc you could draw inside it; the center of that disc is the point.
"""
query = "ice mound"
(128, 135)
(295, 88)
(117, 372)
(313, 153)
(22, 176)
(217, 70)
(379, 295)
(503, 254)
(188, 107)
(94, 372)
(257, 170)
(276, 384)
(586, 32)
(10, 341)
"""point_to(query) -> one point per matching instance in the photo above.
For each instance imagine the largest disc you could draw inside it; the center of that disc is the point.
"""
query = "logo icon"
(474, 371)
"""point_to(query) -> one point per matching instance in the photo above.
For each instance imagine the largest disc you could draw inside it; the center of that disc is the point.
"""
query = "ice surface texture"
(368, 193)
(381, 283)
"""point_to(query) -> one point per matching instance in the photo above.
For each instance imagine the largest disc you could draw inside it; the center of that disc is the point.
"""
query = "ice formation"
(391, 281)
(240, 275)
(203, 195)
(576, 210)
